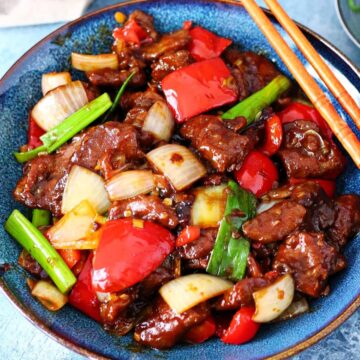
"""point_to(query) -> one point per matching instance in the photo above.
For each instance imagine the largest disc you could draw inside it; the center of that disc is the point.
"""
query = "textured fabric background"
(21, 340)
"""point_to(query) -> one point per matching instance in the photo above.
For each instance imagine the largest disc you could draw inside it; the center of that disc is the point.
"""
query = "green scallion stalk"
(35, 243)
(118, 96)
(41, 217)
(353, 6)
(22, 157)
(63, 132)
(229, 256)
(251, 107)
(76, 122)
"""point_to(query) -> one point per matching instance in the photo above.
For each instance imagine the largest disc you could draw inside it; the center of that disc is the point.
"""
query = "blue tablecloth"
(20, 340)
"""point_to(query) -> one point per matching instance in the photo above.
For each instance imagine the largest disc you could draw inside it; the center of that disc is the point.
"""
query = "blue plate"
(20, 90)
(350, 20)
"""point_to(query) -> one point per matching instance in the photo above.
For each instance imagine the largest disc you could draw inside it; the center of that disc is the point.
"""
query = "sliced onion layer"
(83, 184)
(296, 308)
(94, 62)
(49, 295)
(187, 291)
(178, 164)
(159, 121)
(53, 80)
(74, 230)
(58, 104)
(130, 183)
(273, 300)
(209, 205)
(266, 205)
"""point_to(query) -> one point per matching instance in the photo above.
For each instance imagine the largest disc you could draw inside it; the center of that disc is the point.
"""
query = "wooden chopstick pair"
(340, 128)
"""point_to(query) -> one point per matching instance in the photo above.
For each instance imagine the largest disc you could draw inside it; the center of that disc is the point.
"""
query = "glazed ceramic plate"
(350, 20)
(20, 90)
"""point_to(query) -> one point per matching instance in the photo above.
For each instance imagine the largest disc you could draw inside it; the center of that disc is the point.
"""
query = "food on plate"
(186, 190)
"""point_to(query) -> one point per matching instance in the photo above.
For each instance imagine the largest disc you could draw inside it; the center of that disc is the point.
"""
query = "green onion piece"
(118, 96)
(41, 217)
(252, 106)
(353, 6)
(22, 157)
(35, 243)
(76, 122)
(229, 256)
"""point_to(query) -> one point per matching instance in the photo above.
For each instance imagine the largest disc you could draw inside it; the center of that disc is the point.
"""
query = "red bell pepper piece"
(328, 186)
(70, 256)
(129, 250)
(83, 296)
(199, 87)
(34, 133)
(200, 333)
(299, 111)
(132, 33)
(242, 328)
(257, 173)
(273, 136)
(205, 44)
(187, 235)
(187, 24)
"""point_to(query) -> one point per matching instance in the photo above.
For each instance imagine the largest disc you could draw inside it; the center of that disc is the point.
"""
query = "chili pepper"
(300, 111)
(205, 44)
(199, 87)
(34, 133)
(132, 33)
(70, 256)
(187, 235)
(257, 173)
(273, 136)
(83, 296)
(200, 333)
(328, 186)
(242, 328)
(187, 24)
(129, 250)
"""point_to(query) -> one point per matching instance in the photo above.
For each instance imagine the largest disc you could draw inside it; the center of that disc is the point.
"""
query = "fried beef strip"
(201, 247)
(169, 63)
(111, 145)
(146, 21)
(137, 105)
(162, 327)
(241, 293)
(224, 148)
(167, 43)
(306, 153)
(310, 260)
(146, 207)
(251, 71)
(115, 78)
(275, 223)
(347, 220)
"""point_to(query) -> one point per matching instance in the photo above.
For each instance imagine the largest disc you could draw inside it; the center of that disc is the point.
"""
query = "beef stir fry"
(196, 200)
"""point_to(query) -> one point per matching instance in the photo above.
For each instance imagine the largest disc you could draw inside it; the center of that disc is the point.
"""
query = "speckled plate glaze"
(20, 90)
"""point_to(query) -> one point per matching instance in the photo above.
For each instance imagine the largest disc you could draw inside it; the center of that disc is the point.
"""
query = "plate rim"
(37, 322)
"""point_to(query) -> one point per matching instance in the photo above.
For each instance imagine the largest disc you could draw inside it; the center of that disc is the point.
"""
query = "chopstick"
(339, 127)
(330, 80)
